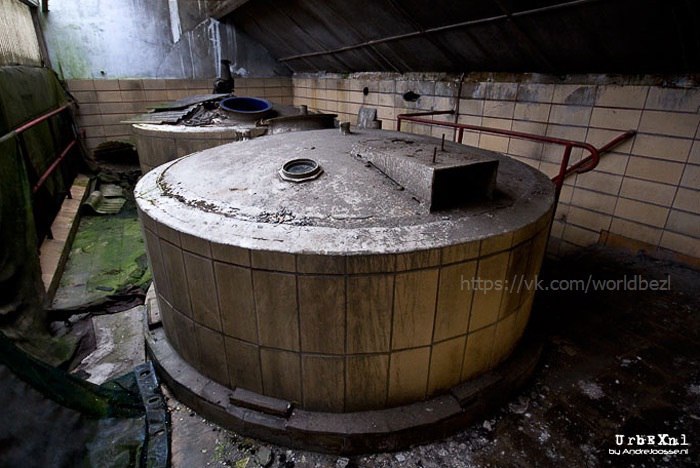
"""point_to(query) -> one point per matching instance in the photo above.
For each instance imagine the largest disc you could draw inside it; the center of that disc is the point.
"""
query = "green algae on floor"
(107, 255)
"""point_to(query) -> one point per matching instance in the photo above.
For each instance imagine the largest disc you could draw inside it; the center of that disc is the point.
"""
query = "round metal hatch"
(300, 170)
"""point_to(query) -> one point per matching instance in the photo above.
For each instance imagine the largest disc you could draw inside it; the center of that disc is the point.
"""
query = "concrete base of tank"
(279, 421)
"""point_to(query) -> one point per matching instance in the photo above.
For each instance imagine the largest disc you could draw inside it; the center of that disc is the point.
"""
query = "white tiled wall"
(646, 190)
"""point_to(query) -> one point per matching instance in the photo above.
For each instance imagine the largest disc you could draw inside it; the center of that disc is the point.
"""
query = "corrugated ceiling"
(549, 36)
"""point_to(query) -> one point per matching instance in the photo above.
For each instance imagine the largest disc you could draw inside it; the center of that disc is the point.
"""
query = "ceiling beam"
(449, 27)
(525, 39)
(30, 3)
(221, 8)
(451, 56)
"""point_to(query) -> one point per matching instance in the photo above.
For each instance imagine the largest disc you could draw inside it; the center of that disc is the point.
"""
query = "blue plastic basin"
(245, 105)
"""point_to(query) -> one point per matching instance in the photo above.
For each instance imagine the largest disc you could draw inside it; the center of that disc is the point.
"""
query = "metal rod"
(349, 26)
(8, 136)
(458, 103)
(617, 141)
(588, 164)
(559, 178)
(512, 133)
(53, 166)
(40, 119)
(524, 38)
(417, 114)
(26, 126)
(312, 38)
(415, 24)
(448, 27)
(18, 134)
(584, 165)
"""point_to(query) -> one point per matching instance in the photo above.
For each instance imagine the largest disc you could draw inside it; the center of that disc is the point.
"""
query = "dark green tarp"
(26, 93)
(21, 290)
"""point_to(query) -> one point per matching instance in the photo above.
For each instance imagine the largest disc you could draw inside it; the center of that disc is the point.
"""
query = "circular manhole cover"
(300, 170)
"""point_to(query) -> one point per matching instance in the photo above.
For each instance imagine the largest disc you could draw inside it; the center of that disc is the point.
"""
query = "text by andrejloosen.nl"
(650, 444)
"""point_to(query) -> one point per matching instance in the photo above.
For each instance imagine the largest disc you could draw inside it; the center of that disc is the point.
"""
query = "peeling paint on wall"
(175, 25)
(236, 70)
(215, 39)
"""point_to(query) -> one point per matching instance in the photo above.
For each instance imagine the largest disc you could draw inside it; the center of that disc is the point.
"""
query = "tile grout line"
(629, 158)
(675, 194)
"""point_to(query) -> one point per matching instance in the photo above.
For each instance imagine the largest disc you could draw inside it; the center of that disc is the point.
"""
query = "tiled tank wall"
(158, 144)
(646, 192)
(344, 333)
(104, 104)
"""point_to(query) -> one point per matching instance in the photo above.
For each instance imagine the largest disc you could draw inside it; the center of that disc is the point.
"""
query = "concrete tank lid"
(233, 194)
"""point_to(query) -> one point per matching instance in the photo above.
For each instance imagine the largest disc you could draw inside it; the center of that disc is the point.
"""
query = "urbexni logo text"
(652, 439)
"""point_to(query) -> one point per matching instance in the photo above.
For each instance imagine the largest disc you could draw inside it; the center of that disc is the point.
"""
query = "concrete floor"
(106, 256)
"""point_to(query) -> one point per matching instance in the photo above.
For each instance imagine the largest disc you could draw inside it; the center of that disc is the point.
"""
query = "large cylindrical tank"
(344, 272)
(237, 118)
(157, 144)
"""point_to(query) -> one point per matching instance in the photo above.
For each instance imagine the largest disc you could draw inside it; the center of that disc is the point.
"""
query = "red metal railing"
(41, 179)
(17, 133)
(26, 126)
(584, 165)
(57, 162)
